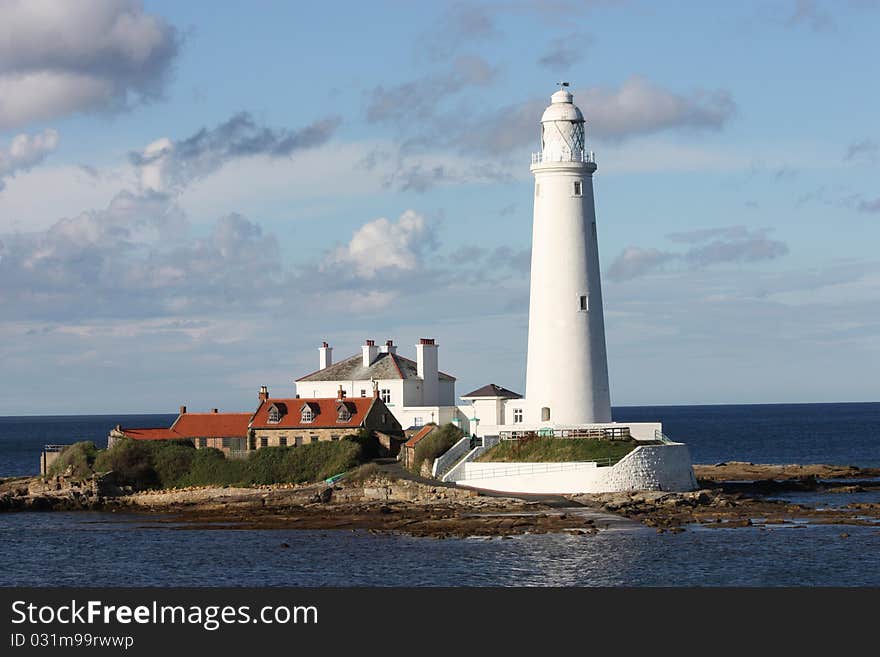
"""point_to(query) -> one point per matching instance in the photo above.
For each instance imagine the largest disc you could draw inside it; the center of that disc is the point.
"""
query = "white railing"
(600, 433)
(457, 471)
(662, 437)
(445, 461)
(516, 470)
(574, 156)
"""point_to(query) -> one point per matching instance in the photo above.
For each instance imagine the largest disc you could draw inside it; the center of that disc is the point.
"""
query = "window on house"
(274, 415)
(334, 436)
(418, 422)
(282, 442)
(545, 414)
(202, 442)
(344, 415)
(307, 415)
(363, 393)
(578, 188)
(264, 441)
(517, 415)
(584, 302)
(313, 438)
(384, 418)
(385, 395)
(226, 443)
(298, 442)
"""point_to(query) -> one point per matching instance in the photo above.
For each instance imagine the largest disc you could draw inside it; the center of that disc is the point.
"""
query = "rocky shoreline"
(731, 495)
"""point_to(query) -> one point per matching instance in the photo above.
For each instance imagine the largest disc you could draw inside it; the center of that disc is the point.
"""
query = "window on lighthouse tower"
(577, 188)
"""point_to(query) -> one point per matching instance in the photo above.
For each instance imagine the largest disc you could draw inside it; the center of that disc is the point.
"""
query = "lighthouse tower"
(567, 366)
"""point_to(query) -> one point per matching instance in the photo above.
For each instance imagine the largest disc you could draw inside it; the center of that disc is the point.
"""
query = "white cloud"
(57, 58)
(167, 165)
(710, 246)
(382, 245)
(639, 106)
(156, 159)
(25, 152)
(635, 261)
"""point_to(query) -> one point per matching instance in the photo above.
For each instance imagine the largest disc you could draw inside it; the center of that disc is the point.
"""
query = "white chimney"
(326, 355)
(370, 352)
(426, 359)
(388, 348)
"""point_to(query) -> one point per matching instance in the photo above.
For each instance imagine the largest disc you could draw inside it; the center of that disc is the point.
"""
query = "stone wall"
(299, 437)
(653, 467)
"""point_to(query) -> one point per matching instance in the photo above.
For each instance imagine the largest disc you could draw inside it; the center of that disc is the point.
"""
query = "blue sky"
(194, 195)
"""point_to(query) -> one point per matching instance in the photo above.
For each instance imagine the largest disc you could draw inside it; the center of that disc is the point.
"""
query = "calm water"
(79, 549)
(98, 549)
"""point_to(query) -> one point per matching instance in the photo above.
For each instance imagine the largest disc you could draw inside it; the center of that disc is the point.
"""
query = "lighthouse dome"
(562, 108)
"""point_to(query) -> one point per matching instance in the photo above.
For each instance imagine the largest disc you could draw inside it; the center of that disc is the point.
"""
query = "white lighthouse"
(567, 365)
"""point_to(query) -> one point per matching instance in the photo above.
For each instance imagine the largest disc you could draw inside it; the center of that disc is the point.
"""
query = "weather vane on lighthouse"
(562, 83)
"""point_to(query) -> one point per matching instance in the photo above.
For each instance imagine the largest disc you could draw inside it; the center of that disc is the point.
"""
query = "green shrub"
(369, 444)
(79, 457)
(311, 462)
(175, 464)
(172, 460)
(211, 467)
(435, 444)
(130, 462)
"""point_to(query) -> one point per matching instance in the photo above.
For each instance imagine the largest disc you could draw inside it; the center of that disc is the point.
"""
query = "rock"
(324, 496)
(285, 545)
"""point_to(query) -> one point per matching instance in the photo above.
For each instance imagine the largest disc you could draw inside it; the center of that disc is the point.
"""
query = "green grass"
(539, 450)
(436, 443)
(175, 464)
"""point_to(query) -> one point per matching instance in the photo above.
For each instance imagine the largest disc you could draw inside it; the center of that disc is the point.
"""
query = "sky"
(193, 196)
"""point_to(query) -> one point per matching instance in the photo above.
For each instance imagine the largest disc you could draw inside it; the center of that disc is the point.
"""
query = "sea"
(102, 549)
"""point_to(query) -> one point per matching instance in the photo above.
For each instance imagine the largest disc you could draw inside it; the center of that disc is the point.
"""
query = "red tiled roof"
(424, 431)
(219, 425)
(197, 425)
(150, 434)
(325, 411)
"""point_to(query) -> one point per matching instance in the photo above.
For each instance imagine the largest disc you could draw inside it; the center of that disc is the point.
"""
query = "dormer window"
(274, 415)
(343, 414)
(307, 415)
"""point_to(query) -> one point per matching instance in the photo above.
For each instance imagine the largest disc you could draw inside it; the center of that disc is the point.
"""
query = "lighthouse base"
(665, 467)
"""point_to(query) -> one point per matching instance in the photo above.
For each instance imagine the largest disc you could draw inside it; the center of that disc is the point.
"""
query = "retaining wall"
(650, 467)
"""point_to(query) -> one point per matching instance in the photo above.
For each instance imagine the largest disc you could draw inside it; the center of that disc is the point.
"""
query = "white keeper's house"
(415, 391)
